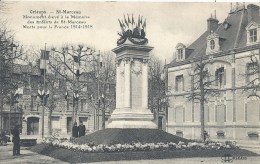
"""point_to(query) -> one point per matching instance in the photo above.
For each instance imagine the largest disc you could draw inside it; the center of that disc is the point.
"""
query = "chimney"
(212, 23)
(253, 12)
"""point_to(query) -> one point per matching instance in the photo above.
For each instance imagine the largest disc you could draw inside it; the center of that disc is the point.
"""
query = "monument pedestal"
(129, 118)
(132, 88)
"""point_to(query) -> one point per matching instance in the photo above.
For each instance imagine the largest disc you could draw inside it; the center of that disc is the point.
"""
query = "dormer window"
(253, 31)
(180, 54)
(253, 35)
(226, 25)
(180, 51)
(212, 44)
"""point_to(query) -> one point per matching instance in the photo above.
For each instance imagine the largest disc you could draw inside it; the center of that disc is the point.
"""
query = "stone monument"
(132, 56)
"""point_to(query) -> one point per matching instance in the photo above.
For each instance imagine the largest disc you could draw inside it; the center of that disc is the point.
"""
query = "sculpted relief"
(136, 67)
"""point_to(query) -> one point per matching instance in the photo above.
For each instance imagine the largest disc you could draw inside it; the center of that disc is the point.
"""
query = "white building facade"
(231, 115)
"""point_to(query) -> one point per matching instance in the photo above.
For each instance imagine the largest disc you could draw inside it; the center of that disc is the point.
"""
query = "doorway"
(32, 126)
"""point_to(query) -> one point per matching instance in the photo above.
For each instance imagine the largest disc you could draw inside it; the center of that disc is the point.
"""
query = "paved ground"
(33, 158)
(6, 157)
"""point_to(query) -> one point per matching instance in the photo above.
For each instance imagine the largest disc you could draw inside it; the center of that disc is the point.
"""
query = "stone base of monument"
(130, 118)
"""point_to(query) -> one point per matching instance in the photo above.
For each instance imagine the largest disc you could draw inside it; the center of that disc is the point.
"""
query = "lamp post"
(2, 63)
(99, 65)
(43, 94)
(162, 107)
(67, 99)
(12, 48)
(98, 91)
(103, 111)
(75, 102)
(18, 93)
(12, 101)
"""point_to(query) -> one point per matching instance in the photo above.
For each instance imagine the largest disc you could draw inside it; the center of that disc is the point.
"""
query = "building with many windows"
(26, 107)
(229, 48)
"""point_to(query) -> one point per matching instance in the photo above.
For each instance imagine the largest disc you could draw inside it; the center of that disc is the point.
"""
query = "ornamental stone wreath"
(90, 148)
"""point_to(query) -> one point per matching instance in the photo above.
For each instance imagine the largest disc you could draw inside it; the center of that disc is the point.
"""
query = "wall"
(231, 112)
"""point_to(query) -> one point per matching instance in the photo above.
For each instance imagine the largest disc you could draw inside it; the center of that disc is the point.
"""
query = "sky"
(167, 23)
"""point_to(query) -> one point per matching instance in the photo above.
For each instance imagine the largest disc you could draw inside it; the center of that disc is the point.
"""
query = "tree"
(52, 80)
(252, 76)
(156, 90)
(94, 71)
(202, 87)
(103, 78)
(9, 53)
(70, 62)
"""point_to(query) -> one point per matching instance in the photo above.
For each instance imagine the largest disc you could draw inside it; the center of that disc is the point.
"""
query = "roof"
(232, 38)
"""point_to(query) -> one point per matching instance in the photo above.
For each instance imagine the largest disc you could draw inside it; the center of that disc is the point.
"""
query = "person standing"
(75, 130)
(16, 140)
(82, 129)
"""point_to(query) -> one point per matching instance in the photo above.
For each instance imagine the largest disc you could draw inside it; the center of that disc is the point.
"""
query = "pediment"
(252, 25)
(213, 36)
(180, 45)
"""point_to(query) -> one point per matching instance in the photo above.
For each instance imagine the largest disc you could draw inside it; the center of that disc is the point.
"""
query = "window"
(69, 124)
(32, 126)
(212, 44)
(252, 35)
(253, 135)
(83, 104)
(220, 134)
(220, 77)
(179, 85)
(251, 71)
(226, 25)
(179, 133)
(55, 122)
(180, 53)
(33, 102)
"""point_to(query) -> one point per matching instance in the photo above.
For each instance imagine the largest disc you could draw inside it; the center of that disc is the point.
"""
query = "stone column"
(127, 83)
(145, 84)
(118, 99)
